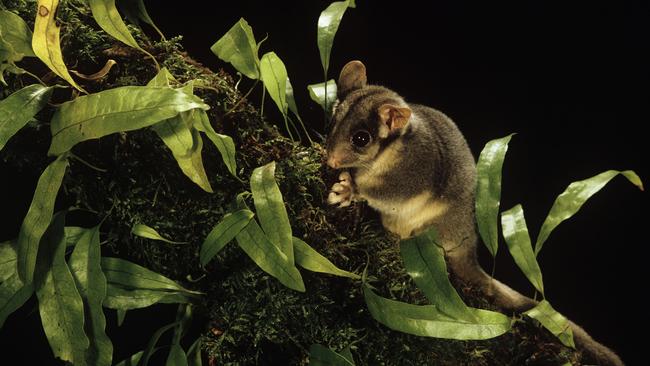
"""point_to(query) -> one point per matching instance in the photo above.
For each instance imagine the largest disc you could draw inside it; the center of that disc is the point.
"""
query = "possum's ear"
(394, 117)
(352, 77)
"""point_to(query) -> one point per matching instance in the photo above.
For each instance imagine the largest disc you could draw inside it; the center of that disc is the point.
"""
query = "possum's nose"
(333, 161)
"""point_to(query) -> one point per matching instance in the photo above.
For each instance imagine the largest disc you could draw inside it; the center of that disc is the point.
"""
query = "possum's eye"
(361, 138)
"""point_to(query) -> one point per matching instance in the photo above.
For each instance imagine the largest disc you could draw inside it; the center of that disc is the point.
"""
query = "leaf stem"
(242, 98)
(262, 104)
(88, 164)
(34, 76)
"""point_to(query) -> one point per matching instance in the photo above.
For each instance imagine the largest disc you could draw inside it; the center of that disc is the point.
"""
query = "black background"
(570, 78)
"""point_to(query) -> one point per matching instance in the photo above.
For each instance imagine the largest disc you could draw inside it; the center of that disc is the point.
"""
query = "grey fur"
(428, 155)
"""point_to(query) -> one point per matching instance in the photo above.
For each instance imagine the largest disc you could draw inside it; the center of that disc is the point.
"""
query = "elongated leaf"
(147, 232)
(322, 356)
(15, 31)
(91, 283)
(73, 234)
(291, 100)
(223, 143)
(223, 233)
(274, 76)
(121, 314)
(8, 258)
(177, 356)
(517, 238)
(186, 144)
(194, 353)
(122, 298)
(130, 275)
(39, 216)
(14, 293)
(268, 257)
(121, 109)
(270, 209)
(59, 303)
(425, 263)
(238, 47)
(574, 196)
(324, 94)
(46, 43)
(488, 191)
(426, 320)
(308, 258)
(555, 322)
(149, 350)
(134, 11)
(181, 137)
(328, 24)
(19, 108)
(107, 16)
(184, 315)
(165, 78)
(132, 360)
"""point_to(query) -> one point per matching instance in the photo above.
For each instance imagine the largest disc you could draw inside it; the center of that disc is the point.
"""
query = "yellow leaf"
(46, 42)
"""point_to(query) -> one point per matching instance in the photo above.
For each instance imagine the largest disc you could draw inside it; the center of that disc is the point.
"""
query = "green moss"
(249, 317)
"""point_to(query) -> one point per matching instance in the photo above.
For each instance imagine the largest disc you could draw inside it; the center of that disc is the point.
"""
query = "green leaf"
(132, 276)
(165, 78)
(308, 258)
(14, 293)
(488, 191)
(123, 298)
(574, 196)
(108, 18)
(268, 257)
(134, 10)
(555, 322)
(181, 137)
(184, 315)
(427, 321)
(8, 258)
(328, 24)
(73, 234)
(223, 143)
(517, 238)
(291, 100)
(324, 94)
(59, 303)
(425, 263)
(121, 109)
(177, 356)
(270, 209)
(274, 77)
(19, 108)
(322, 356)
(194, 353)
(91, 283)
(146, 354)
(238, 47)
(223, 233)
(147, 232)
(39, 216)
(132, 360)
(121, 314)
(15, 31)
(46, 43)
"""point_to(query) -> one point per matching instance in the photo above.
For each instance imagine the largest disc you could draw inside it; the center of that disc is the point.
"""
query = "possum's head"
(365, 118)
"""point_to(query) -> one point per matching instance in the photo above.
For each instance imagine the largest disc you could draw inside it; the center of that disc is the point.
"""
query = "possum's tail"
(466, 268)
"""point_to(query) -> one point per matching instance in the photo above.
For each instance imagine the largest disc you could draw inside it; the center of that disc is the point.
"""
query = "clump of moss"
(249, 317)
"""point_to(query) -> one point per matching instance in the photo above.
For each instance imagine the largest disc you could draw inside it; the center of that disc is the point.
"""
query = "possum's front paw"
(342, 193)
